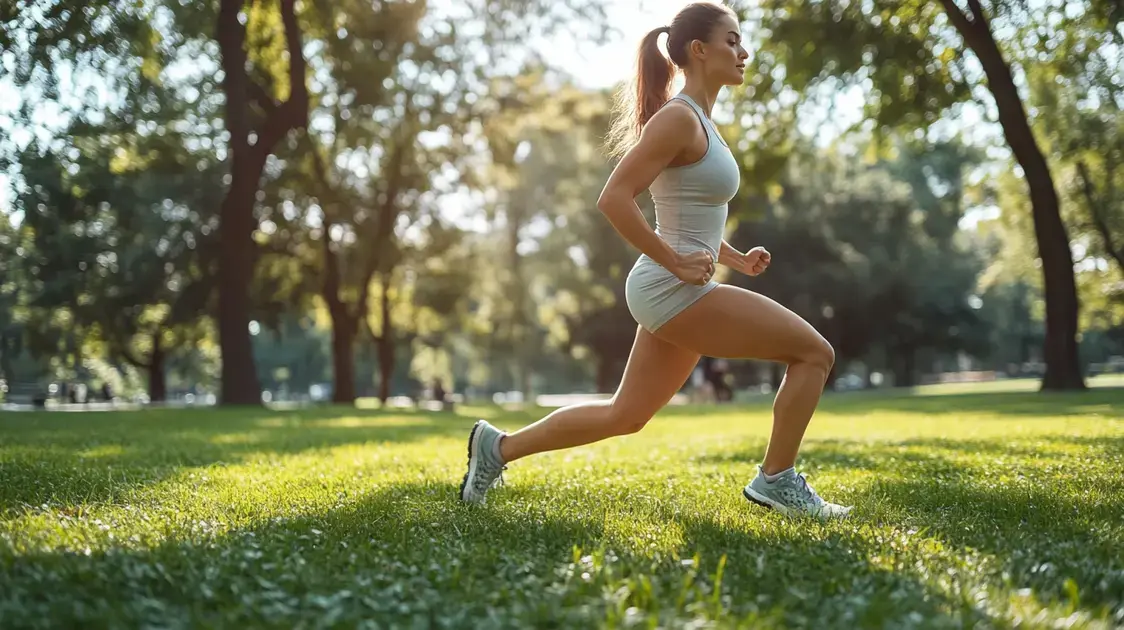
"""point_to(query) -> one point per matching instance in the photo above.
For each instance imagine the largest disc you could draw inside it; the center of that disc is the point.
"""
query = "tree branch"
(320, 170)
(979, 18)
(361, 304)
(331, 285)
(231, 35)
(1098, 219)
(258, 95)
(959, 20)
(293, 113)
(384, 226)
(371, 331)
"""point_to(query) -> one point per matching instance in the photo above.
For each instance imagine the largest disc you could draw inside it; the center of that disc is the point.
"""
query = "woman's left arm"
(729, 256)
(752, 263)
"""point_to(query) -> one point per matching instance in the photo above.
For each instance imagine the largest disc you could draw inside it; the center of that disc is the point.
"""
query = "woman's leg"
(655, 371)
(732, 322)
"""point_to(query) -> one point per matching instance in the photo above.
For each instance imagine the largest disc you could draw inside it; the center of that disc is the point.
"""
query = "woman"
(682, 313)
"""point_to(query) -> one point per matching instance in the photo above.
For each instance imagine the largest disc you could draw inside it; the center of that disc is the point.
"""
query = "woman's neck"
(704, 95)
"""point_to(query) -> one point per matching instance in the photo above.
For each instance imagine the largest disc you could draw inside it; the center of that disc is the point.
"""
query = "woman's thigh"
(655, 371)
(733, 323)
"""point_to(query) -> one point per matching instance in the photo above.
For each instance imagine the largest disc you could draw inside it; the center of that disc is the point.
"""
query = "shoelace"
(808, 490)
(481, 485)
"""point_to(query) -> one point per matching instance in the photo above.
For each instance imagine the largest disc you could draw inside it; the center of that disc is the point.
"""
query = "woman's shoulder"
(675, 116)
(674, 111)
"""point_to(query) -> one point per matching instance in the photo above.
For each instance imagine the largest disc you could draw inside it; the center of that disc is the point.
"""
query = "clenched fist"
(752, 263)
(694, 268)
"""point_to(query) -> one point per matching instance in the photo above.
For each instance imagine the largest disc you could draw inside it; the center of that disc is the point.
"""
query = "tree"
(580, 263)
(11, 285)
(129, 266)
(369, 107)
(1078, 89)
(867, 251)
(903, 56)
(257, 118)
(389, 130)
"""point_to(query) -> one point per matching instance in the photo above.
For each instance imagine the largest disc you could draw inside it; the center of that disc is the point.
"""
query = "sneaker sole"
(769, 504)
(472, 459)
(764, 501)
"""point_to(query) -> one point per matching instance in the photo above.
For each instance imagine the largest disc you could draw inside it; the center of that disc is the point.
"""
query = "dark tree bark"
(385, 342)
(154, 366)
(250, 146)
(157, 379)
(1063, 370)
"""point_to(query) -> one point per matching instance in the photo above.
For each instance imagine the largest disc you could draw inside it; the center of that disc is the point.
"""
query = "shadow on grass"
(1049, 515)
(1039, 537)
(929, 457)
(1102, 401)
(96, 457)
(408, 555)
(411, 556)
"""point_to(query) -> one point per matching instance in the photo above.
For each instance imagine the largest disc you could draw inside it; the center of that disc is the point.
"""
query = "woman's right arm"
(663, 138)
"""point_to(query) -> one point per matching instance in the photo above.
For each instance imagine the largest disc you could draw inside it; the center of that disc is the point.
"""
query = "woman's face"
(722, 57)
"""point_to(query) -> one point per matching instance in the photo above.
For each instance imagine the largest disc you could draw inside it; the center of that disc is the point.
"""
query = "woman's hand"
(752, 263)
(694, 268)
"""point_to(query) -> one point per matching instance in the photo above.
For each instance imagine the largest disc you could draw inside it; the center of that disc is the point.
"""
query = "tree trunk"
(250, 144)
(240, 384)
(343, 361)
(1063, 369)
(344, 325)
(385, 342)
(8, 349)
(520, 322)
(157, 380)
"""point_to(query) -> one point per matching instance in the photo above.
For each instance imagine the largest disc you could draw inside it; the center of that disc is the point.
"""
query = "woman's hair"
(637, 102)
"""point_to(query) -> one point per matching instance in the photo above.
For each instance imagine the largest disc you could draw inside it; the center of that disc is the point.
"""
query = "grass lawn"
(988, 509)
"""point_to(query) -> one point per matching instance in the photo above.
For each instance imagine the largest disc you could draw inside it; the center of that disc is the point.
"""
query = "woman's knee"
(625, 419)
(819, 353)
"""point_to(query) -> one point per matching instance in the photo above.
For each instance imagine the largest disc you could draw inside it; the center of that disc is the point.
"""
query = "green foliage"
(45, 35)
(868, 252)
(898, 52)
(121, 225)
(1076, 83)
(425, 118)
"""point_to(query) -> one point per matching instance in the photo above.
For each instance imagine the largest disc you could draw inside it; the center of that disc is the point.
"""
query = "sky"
(603, 66)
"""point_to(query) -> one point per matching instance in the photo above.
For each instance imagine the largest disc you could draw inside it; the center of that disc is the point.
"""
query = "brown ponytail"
(638, 101)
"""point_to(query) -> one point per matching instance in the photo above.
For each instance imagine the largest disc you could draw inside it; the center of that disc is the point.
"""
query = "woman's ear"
(697, 49)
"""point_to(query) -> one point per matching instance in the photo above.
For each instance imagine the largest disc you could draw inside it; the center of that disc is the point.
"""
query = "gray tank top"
(691, 201)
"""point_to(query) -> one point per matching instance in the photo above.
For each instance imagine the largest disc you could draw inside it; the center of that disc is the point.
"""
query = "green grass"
(990, 510)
